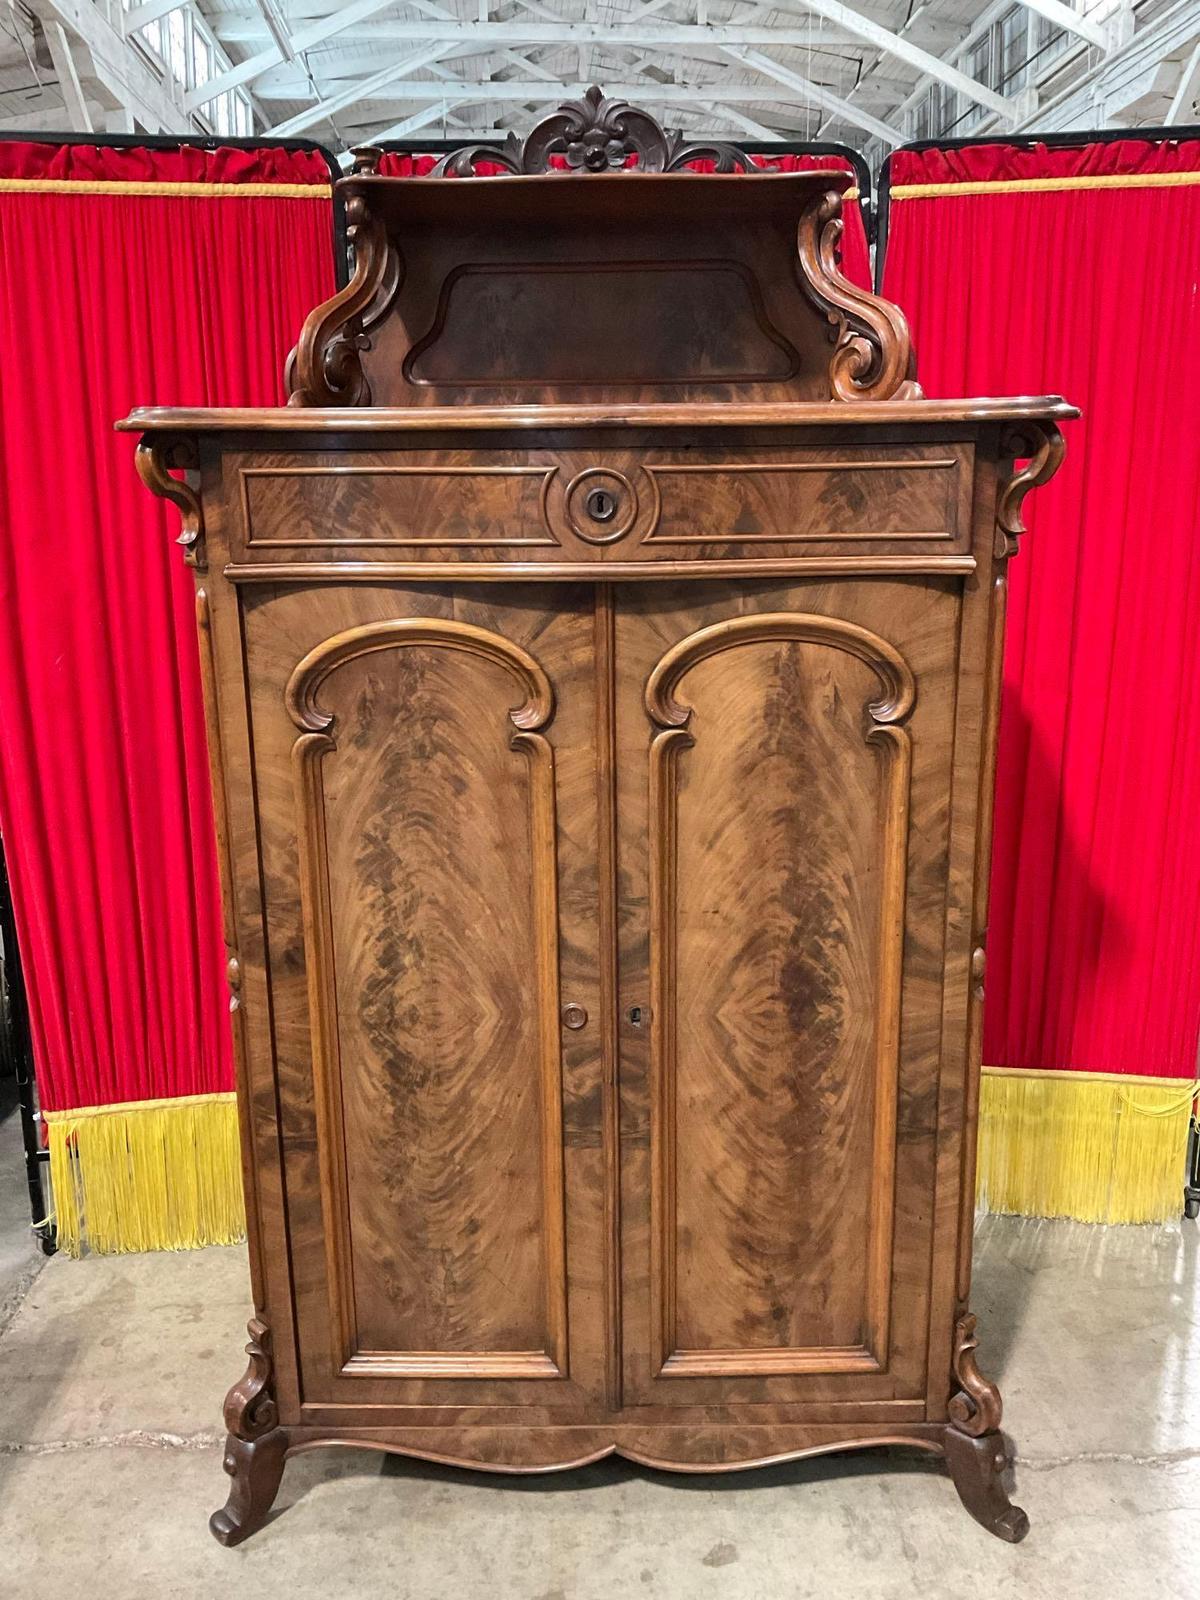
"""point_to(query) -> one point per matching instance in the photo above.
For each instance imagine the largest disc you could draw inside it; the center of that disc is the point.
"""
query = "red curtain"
(1086, 286)
(856, 258)
(114, 296)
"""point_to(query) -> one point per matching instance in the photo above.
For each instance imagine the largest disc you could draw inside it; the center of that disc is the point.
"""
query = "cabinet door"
(426, 799)
(784, 772)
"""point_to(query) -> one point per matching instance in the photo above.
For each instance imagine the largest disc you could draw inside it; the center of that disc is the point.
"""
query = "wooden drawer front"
(396, 506)
(776, 499)
(605, 504)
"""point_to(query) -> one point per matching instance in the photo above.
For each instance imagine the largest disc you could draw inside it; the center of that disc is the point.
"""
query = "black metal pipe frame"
(1017, 141)
(16, 1055)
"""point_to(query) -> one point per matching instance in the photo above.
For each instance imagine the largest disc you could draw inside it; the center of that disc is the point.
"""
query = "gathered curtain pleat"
(1076, 271)
(132, 277)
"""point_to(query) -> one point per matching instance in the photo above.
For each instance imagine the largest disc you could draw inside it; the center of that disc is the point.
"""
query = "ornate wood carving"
(594, 134)
(533, 713)
(450, 339)
(887, 714)
(250, 1409)
(1040, 444)
(256, 1468)
(325, 368)
(976, 1408)
(872, 357)
(155, 459)
(978, 1467)
(894, 673)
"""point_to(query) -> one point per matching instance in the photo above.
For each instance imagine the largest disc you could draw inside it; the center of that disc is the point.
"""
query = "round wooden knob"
(574, 1016)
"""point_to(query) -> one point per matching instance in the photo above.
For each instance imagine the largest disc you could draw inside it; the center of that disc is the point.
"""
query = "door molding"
(887, 715)
(316, 741)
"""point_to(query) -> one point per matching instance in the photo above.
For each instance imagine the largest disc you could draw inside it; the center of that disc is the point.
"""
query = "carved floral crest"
(871, 357)
(594, 134)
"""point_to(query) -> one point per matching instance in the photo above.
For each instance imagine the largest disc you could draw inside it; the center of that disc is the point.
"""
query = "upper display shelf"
(654, 284)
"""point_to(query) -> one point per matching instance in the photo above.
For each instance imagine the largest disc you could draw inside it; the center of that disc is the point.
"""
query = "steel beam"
(1066, 17)
(813, 94)
(362, 89)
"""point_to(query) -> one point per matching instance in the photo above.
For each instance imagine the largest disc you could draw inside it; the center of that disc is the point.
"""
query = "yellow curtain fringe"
(147, 1175)
(1097, 1149)
(1129, 180)
(220, 191)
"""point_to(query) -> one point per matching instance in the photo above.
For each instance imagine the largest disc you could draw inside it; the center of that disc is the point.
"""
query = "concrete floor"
(112, 1373)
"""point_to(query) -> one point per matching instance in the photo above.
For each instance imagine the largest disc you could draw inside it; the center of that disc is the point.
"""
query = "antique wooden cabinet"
(602, 653)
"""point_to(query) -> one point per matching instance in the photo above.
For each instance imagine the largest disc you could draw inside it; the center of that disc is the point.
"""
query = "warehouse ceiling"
(818, 69)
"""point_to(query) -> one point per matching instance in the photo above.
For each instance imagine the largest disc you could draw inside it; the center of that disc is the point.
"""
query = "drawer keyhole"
(601, 505)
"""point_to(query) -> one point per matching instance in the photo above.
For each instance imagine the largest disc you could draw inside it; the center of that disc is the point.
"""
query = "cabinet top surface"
(446, 419)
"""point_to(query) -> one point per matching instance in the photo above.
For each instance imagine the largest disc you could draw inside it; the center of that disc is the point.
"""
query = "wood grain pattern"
(490, 324)
(787, 501)
(764, 970)
(751, 811)
(605, 877)
(402, 887)
(396, 506)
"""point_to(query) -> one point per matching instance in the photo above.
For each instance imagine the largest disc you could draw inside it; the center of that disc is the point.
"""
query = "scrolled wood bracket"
(250, 1409)
(872, 357)
(1040, 445)
(156, 459)
(325, 368)
(976, 1408)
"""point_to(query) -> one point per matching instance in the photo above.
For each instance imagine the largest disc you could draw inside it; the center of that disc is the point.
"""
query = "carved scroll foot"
(978, 1466)
(256, 1467)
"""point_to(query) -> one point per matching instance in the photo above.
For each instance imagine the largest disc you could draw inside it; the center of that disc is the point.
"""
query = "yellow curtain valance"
(1133, 180)
(147, 1174)
(219, 191)
(1099, 1147)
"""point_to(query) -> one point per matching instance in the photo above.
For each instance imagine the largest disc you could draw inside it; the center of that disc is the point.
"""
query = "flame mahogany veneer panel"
(423, 909)
(785, 856)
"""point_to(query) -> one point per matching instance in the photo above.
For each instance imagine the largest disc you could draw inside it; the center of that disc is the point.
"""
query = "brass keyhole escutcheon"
(574, 1016)
(601, 505)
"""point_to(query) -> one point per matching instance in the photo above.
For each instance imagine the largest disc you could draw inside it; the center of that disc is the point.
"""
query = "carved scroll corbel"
(250, 1409)
(325, 368)
(155, 460)
(976, 1408)
(872, 357)
(1041, 446)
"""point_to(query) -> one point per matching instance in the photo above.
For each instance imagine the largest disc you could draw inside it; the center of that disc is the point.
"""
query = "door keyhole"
(601, 505)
